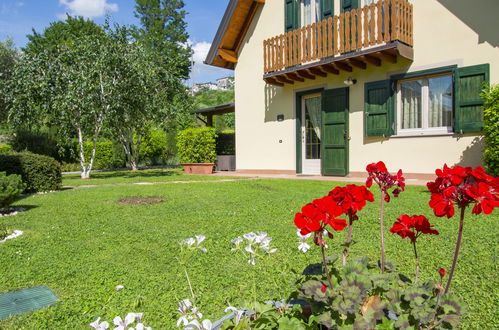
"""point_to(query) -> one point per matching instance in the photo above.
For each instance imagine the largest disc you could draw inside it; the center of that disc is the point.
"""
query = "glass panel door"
(311, 134)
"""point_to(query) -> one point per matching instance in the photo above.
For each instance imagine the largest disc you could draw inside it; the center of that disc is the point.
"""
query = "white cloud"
(10, 9)
(201, 72)
(88, 8)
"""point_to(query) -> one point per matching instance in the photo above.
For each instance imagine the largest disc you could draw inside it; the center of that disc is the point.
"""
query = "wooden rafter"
(343, 66)
(372, 60)
(228, 55)
(284, 80)
(357, 63)
(388, 57)
(306, 74)
(295, 77)
(317, 72)
(330, 69)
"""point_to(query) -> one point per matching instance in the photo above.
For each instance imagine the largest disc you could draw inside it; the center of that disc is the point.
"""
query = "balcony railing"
(358, 29)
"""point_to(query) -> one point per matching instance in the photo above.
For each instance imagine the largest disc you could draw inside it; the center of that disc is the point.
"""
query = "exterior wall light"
(350, 81)
(280, 117)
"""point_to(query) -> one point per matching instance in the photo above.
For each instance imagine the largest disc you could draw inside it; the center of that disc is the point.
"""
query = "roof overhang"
(216, 110)
(235, 23)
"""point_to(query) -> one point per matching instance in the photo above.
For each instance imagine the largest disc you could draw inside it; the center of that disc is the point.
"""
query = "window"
(424, 105)
(310, 11)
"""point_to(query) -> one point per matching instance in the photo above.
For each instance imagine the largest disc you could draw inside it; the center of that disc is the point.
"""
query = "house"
(324, 87)
(225, 83)
(200, 86)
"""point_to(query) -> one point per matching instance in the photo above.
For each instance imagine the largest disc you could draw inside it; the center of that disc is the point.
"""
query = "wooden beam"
(209, 120)
(295, 77)
(388, 57)
(260, 1)
(372, 60)
(272, 81)
(358, 64)
(317, 72)
(285, 80)
(343, 66)
(330, 69)
(228, 55)
(305, 74)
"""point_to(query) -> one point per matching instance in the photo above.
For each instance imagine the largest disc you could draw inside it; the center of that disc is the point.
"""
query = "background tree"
(8, 58)
(61, 33)
(146, 94)
(163, 31)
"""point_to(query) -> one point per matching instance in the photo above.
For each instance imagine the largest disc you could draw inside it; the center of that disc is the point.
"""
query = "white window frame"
(425, 130)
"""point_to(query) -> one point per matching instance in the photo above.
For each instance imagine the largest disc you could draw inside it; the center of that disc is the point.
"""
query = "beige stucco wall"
(440, 38)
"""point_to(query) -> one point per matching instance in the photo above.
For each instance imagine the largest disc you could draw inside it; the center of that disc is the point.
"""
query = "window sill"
(422, 134)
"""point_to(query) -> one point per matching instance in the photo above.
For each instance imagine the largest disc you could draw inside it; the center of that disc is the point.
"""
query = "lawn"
(82, 243)
(123, 177)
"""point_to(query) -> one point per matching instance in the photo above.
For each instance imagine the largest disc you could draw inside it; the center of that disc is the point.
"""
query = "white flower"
(249, 249)
(238, 313)
(99, 326)
(182, 321)
(184, 306)
(194, 324)
(141, 326)
(303, 238)
(252, 260)
(190, 241)
(304, 247)
(200, 238)
(122, 325)
(119, 287)
(237, 241)
(260, 236)
(250, 237)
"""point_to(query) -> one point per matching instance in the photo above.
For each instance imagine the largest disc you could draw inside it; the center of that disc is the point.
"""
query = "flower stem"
(382, 230)
(349, 239)
(417, 260)
(326, 270)
(189, 282)
(456, 251)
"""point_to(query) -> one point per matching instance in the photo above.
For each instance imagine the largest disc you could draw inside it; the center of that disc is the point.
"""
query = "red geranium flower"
(378, 173)
(309, 220)
(442, 272)
(351, 198)
(412, 226)
(463, 186)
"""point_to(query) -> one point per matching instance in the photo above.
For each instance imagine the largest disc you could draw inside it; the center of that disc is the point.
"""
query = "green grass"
(81, 244)
(123, 177)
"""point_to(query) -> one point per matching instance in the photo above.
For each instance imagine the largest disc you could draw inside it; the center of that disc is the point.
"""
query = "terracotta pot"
(198, 168)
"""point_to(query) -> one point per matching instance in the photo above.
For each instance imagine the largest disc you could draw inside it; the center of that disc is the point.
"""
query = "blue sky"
(19, 17)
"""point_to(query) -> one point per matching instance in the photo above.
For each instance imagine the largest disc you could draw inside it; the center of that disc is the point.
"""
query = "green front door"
(334, 142)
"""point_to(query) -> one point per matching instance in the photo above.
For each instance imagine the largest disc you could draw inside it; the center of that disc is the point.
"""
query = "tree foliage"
(8, 58)
(61, 33)
(163, 30)
(491, 130)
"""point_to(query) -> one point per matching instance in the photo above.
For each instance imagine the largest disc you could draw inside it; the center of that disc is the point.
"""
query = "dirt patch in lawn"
(137, 200)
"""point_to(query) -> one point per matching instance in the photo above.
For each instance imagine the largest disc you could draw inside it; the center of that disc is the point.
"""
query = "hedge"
(226, 143)
(153, 149)
(107, 155)
(39, 173)
(197, 145)
(11, 186)
(491, 130)
(5, 147)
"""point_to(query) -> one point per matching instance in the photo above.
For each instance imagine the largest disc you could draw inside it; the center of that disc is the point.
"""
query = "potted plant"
(197, 150)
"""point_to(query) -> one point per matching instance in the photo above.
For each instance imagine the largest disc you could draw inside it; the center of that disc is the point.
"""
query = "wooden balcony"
(365, 36)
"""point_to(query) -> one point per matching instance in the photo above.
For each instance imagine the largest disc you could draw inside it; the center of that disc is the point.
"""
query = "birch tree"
(68, 90)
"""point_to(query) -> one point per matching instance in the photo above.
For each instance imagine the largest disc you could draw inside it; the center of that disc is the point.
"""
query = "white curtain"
(307, 12)
(440, 103)
(313, 108)
(411, 104)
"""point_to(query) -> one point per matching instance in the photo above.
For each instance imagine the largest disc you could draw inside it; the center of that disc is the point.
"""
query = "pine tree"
(163, 31)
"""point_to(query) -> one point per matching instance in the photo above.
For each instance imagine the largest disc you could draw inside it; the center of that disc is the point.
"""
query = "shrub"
(153, 147)
(3, 231)
(197, 145)
(11, 186)
(226, 143)
(36, 142)
(107, 155)
(491, 130)
(5, 147)
(39, 173)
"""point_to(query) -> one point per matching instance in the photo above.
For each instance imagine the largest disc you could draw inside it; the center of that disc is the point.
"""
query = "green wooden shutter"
(468, 109)
(327, 8)
(347, 5)
(291, 15)
(379, 108)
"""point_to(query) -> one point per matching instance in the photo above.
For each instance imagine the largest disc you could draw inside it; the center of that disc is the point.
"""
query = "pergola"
(212, 111)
